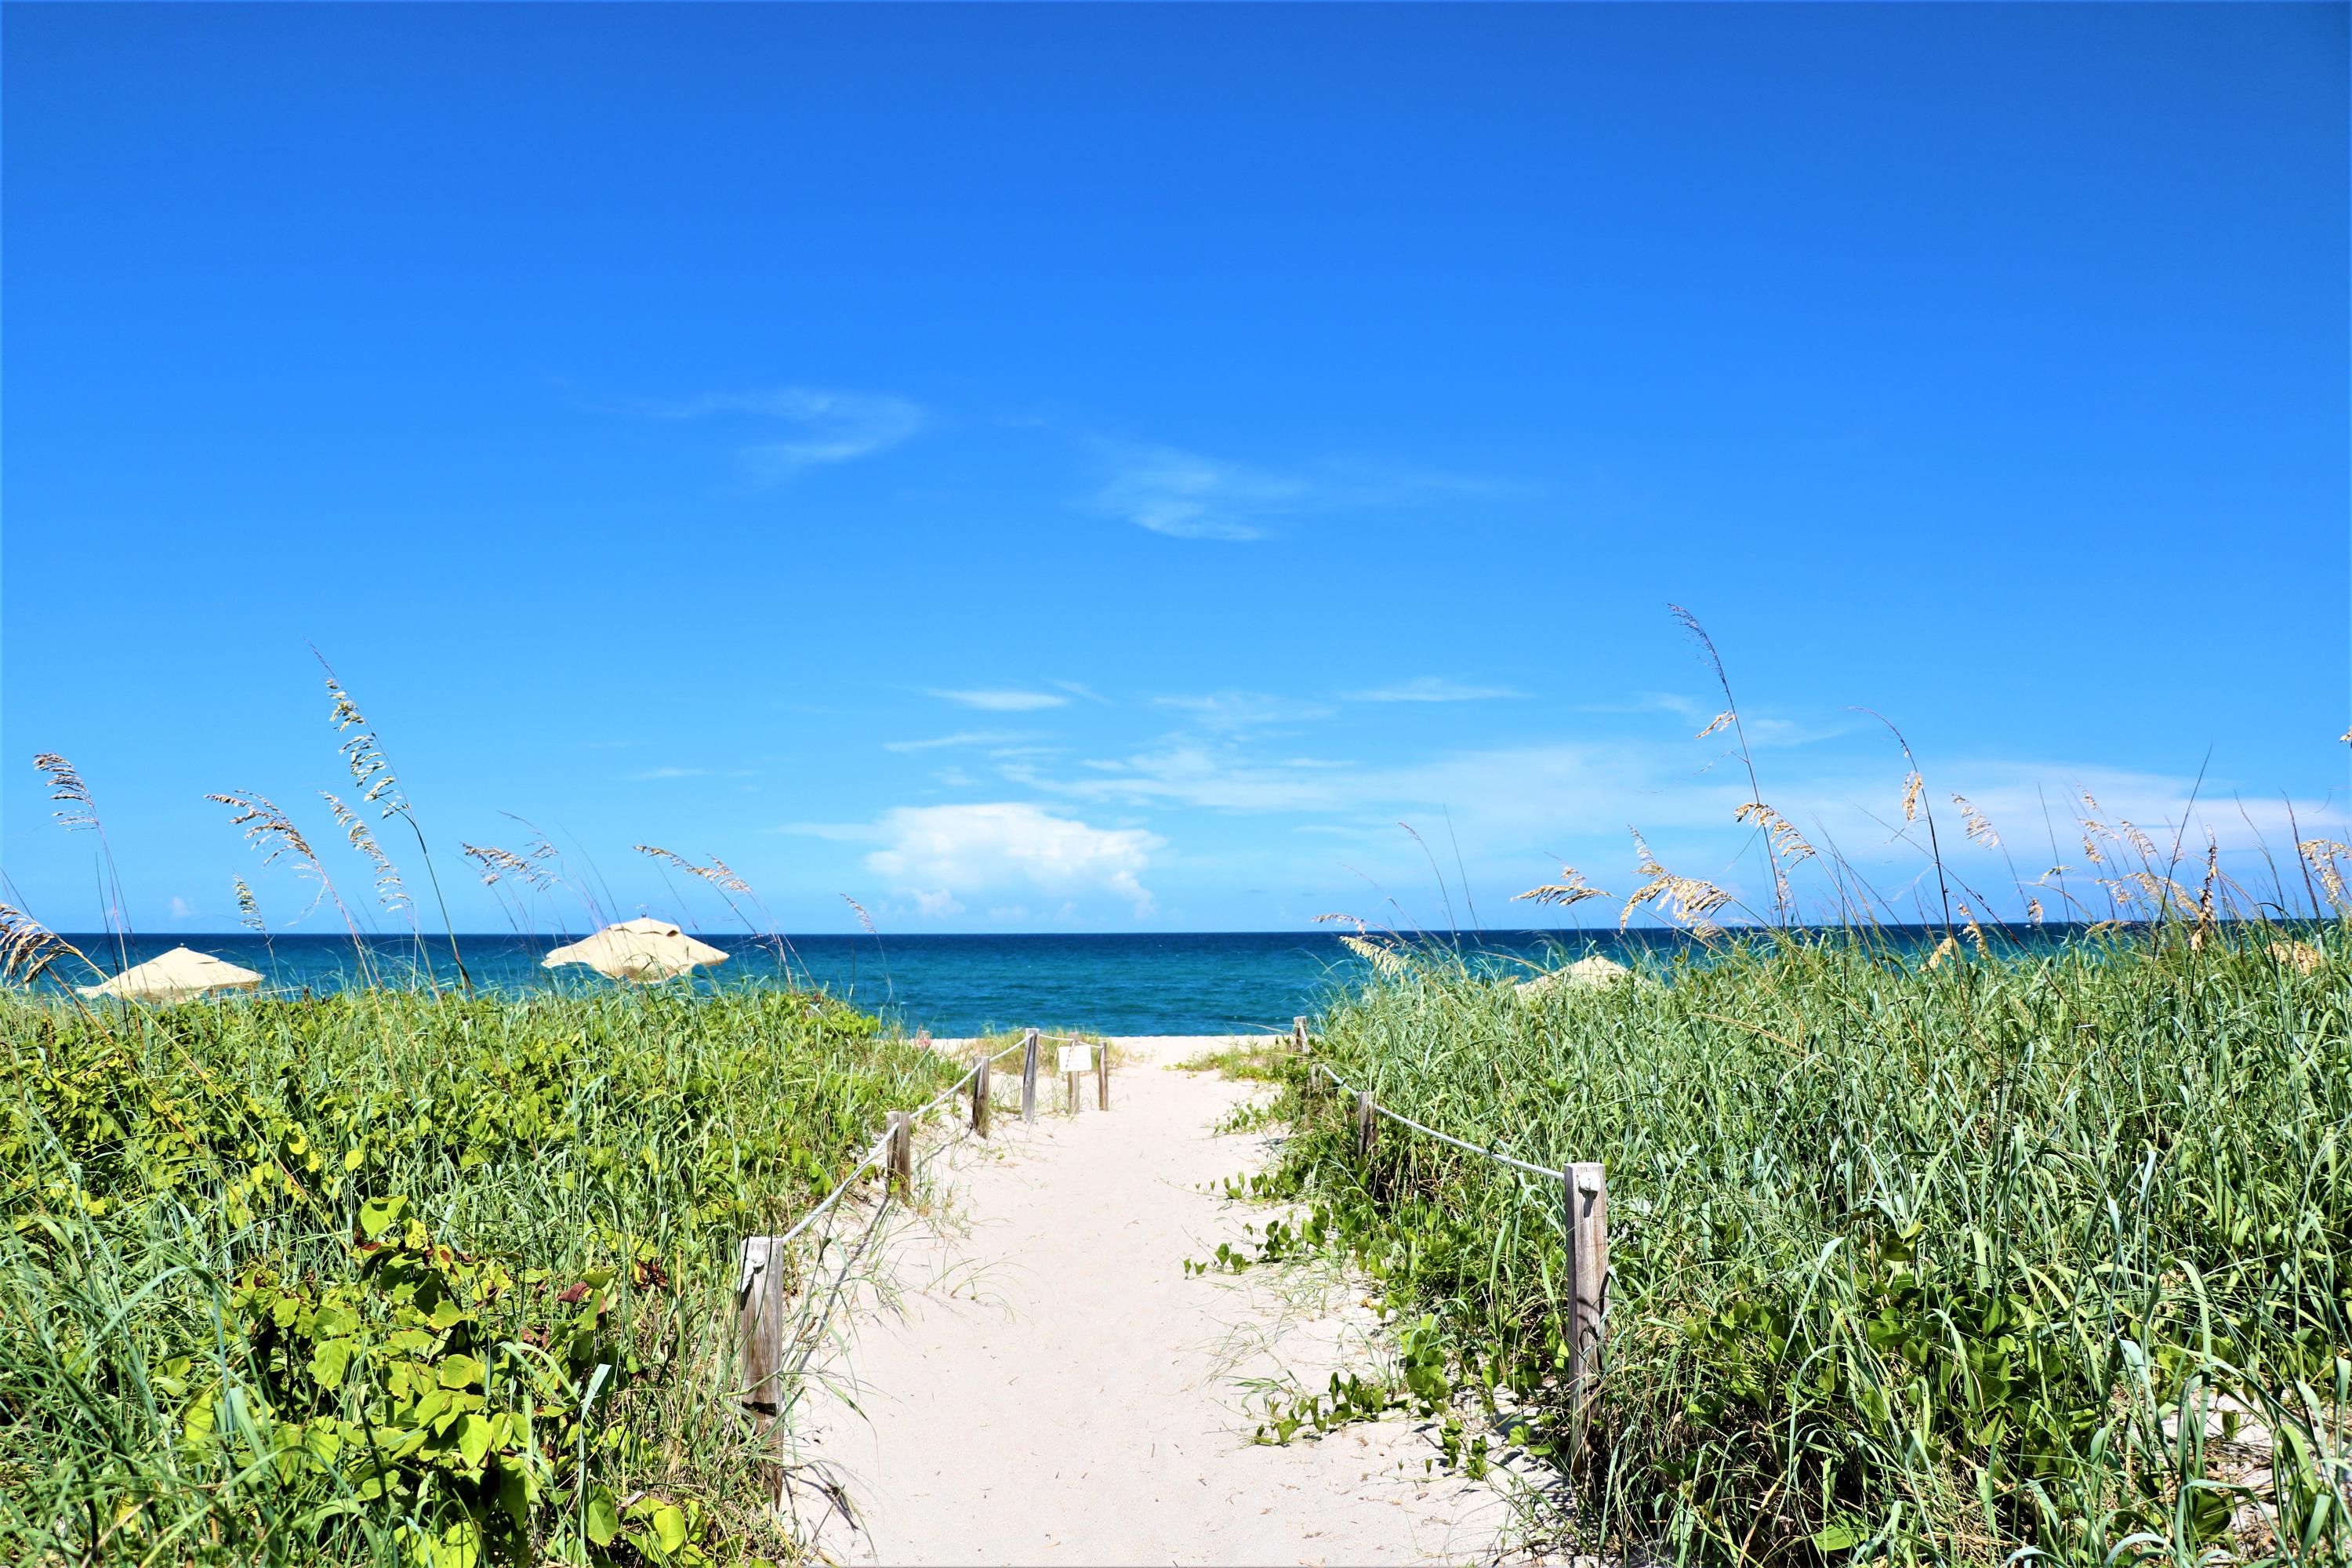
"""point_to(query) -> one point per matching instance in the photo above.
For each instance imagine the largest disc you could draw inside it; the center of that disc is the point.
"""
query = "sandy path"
(1051, 1387)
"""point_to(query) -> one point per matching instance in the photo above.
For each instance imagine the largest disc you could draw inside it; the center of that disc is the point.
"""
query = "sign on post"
(1078, 1058)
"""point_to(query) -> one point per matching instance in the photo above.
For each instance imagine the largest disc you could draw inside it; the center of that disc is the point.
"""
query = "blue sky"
(1106, 467)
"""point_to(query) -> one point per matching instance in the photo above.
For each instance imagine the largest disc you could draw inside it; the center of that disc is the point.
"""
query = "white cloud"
(1188, 495)
(180, 908)
(934, 904)
(1243, 709)
(669, 773)
(1431, 688)
(1005, 700)
(965, 738)
(942, 852)
(827, 426)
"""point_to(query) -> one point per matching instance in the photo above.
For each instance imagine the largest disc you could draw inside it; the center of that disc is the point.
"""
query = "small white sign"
(1078, 1058)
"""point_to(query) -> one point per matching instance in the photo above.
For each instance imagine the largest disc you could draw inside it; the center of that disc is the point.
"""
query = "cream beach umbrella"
(174, 976)
(1585, 971)
(636, 950)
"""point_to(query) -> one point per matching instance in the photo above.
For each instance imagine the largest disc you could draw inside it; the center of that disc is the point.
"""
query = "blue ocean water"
(1193, 982)
(1147, 984)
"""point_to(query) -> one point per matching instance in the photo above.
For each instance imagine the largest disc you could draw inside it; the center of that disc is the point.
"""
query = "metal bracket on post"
(1029, 1075)
(1585, 1193)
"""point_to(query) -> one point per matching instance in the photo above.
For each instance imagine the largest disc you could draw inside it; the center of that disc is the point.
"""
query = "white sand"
(1051, 1387)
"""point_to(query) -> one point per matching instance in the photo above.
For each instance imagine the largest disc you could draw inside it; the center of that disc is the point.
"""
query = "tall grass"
(2045, 1255)
(331, 1280)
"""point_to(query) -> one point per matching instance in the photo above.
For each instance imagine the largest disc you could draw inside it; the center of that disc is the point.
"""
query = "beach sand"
(1051, 1386)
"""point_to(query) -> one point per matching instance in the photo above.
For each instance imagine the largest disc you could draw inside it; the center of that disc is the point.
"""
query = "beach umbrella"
(636, 950)
(174, 976)
(1585, 971)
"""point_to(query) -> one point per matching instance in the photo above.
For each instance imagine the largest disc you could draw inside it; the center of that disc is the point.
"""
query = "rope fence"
(1584, 1227)
(768, 1333)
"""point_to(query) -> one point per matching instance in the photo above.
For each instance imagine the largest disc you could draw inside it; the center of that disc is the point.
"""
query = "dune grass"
(331, 1281)
(1955, 1261)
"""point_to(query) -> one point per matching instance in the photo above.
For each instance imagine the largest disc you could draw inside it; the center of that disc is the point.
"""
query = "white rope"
(953, 1090)
(1544, 1170)
(833, 1196)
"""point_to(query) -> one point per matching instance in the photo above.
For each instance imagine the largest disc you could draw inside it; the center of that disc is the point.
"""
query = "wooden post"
(1298, 1035)
(1029, 1075)
(1102, 1075)
(979, 1097)
(902, 1155)
(1586, 1192)
(1364, 1123)
(760, 1319)
(1070, 1091)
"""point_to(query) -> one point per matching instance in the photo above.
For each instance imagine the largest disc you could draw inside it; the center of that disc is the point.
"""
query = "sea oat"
(248, 909)
(388, 889)
(2208, 927)
(1385, 959)
(2321, 855)
(1685, 899)
(2033, 910)
(1913, 786)
(1975, 931)
(2303, 957)
(863, 918)
(1980, 831)
(1947, 948)
(66, 785)
(1722, 720)
(1570, 890)
(27, 948)
(496, 863)
(1787, 842)
(273, 834)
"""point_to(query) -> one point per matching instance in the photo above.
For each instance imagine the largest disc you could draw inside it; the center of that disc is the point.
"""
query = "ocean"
(1191, 983)
(1157, 984)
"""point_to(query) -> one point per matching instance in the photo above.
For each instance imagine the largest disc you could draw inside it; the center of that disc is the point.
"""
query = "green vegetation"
(331, 1281)
(1946, 1261)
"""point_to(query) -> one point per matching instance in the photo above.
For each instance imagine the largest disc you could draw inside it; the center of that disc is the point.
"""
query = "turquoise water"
(1172, 984)
(1175, 984)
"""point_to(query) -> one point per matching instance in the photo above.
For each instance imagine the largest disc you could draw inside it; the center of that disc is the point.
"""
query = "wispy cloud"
(1227, 710)
(1431, 688)
(965, 738)
(1188, 495)
(825, 426)
(670, 773)
(1005, 699)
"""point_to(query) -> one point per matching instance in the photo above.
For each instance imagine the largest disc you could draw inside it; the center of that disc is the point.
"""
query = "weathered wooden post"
(1102, 1076)
(1298, 1035)
(1586, 1192)
(902, 1155)
(979, 1097)
(760, 1319)
(1364, 1123)
(1029, 1075)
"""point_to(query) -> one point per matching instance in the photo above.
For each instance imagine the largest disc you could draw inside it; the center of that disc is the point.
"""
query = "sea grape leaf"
(331, 1361)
